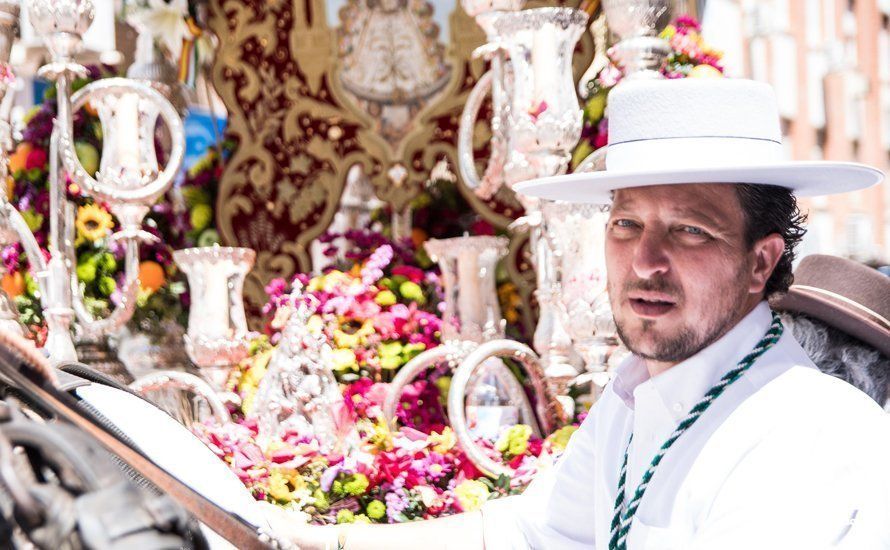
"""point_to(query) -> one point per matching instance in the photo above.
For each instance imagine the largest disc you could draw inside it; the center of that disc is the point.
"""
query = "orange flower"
(13, 284)
(18, 160)
(151, 275)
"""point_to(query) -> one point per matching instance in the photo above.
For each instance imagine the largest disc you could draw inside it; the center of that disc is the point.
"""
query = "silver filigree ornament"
(299, 393)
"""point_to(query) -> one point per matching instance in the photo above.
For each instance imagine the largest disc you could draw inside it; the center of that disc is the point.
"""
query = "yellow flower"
(514, 440)
(315, 283)
(560, 438)
(443, 442)
(284, 484)
(93, 222)
(385, 298)
(333, 279)
(367, 329)
(250, 381)
(344, 340)
(380, 435)
(343, 359)
(471, 495)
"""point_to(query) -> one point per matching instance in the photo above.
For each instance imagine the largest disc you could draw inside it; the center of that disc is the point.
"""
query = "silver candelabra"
(536, 121)
(129, 179)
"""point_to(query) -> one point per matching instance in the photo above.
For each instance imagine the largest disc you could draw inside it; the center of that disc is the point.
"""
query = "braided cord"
(619, 500)
(623, 517)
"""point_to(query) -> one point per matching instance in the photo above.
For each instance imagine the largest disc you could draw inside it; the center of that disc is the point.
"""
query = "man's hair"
(841, 355)
(769, 209)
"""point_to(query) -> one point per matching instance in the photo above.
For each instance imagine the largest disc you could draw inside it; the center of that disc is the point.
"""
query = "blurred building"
(829, 61)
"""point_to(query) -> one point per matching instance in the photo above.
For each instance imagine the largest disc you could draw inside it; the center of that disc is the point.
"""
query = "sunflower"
(93, 222)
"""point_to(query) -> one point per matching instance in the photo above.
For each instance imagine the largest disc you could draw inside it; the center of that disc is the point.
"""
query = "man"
(839, 311)
(718, 432)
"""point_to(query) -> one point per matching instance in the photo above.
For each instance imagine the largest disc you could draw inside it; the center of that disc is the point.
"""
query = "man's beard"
(688, 341)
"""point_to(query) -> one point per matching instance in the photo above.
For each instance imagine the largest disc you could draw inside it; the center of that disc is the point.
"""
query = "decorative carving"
(300, 129)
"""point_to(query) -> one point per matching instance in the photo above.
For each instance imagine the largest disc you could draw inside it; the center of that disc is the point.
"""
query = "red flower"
(516, 461)
(535, 446)
(414, 274)
(601, 140)
(36, 159)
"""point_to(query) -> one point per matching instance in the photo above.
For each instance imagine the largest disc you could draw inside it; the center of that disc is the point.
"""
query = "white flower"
(164, 22)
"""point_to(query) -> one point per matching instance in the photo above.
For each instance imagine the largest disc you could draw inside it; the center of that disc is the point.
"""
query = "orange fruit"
(13, 284)
(151, 275)
(19, 158)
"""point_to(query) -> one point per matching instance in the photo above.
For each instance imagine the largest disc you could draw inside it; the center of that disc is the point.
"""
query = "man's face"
(679, 272)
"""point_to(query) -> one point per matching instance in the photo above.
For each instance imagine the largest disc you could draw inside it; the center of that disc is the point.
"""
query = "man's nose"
(650, 255)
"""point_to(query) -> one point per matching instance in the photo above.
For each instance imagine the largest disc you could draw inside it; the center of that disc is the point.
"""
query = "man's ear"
(767, 253)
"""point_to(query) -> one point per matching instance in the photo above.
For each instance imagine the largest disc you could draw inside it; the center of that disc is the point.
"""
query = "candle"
(469, 297)
(544, 62)
(126, 120)
(215, 320)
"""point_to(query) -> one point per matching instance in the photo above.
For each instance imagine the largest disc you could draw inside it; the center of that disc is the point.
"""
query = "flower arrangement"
(376, 314)
(690, 57)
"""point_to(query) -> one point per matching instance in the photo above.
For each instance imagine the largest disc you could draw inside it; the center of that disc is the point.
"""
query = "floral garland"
(690, 57)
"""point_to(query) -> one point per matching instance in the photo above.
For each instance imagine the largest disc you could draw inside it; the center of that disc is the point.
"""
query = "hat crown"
(695, 130)
(693, 108)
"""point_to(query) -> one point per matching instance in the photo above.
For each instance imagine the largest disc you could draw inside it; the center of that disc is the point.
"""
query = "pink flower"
(534, 446)
(685, 23)
(433, 467)
(373, 268)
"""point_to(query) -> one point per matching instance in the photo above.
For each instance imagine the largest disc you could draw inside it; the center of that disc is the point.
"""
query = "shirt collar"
(683, 385)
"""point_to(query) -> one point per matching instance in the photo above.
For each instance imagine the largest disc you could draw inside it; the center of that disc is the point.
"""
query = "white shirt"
(786, 457)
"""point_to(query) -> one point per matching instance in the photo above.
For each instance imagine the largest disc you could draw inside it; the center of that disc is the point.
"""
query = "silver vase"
(217, 337)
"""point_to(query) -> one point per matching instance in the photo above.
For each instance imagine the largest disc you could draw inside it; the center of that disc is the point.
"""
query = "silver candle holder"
(129, 179)
(217, 337)
(542, 123)
(485, 396)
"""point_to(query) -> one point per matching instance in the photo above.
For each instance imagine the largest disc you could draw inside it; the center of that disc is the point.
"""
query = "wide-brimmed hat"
(693, 130)
(843, 294)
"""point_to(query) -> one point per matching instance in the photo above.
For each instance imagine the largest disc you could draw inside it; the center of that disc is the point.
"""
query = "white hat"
(693, 130)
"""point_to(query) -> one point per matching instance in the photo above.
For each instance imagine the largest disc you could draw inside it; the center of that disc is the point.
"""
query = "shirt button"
(678, 407)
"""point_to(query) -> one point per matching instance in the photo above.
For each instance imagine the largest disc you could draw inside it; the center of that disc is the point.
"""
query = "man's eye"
(625, 223)
(695, 231)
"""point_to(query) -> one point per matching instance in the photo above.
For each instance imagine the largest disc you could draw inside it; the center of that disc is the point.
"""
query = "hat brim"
(835, 314)
(809, 178)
